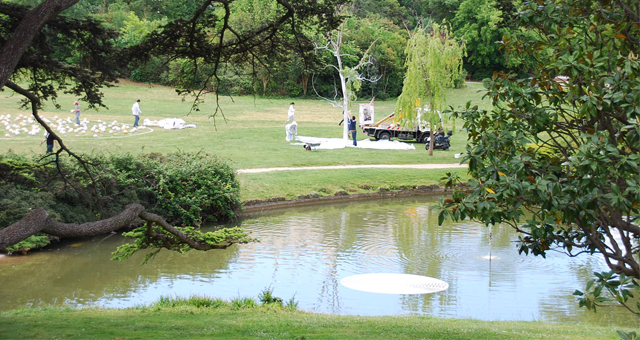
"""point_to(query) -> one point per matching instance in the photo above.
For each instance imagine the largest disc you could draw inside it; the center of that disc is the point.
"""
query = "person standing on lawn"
(50, 141)
(135, 109)
(352, 129)
(291, 113)
(77, 111)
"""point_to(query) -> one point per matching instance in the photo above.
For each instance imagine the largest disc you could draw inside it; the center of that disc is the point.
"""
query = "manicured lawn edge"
(305, 200)
(269, 322)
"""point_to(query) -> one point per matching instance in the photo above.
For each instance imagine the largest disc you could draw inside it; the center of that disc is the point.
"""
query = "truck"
(386, 129)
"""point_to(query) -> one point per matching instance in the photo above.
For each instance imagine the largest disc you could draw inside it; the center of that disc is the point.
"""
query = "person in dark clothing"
(50, 141)
(352, 129)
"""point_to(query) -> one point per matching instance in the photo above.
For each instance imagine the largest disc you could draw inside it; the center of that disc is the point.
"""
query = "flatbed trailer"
(385, 130)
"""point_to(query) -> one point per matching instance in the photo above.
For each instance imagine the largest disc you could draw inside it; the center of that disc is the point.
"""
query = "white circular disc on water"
(394, 283)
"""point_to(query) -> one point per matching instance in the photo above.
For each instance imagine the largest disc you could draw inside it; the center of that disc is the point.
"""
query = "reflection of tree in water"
(302, 239)
(83, 272)
(352, 238)
(363, 242)
(582, 272)
(369, 240)
(569, 313)
(423, 253)
(444, 252)
(306, 251)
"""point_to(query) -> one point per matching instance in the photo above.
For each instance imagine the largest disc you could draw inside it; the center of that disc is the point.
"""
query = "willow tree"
(434, 61)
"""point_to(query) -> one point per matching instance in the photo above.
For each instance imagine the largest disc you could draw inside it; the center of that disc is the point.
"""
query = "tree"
(33, 53)
(434, 61)
(558, 157)
(436, 10)
(477, 23)
(388, 9)
(388, 53)
(350, 77)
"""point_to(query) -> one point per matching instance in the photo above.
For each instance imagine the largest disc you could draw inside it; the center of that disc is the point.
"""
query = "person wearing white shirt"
(135, 109)
(291, 113)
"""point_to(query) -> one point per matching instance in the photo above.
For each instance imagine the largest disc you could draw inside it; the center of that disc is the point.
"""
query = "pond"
(304, 253)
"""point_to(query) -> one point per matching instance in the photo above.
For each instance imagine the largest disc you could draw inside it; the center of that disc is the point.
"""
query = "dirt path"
(331, 167)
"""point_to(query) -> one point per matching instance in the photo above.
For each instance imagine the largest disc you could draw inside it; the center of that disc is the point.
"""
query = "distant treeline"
(479, 23)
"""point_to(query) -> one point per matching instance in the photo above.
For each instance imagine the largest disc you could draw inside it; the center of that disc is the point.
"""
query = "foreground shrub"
(187, 189)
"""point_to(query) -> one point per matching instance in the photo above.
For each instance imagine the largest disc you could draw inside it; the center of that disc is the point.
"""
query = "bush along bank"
(186, 188)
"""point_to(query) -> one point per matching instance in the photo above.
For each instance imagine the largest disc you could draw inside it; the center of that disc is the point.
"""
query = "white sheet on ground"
(168, 123)
(339, 143)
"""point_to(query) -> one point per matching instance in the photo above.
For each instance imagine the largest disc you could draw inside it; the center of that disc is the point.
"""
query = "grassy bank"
(267, 322)
(249, 133)
(289, 184)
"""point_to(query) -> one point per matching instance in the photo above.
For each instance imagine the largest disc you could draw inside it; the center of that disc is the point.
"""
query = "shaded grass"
(267, 322)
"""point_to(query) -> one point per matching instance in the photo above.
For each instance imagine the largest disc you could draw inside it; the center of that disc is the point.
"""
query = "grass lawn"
(187, 322)
(248, 133)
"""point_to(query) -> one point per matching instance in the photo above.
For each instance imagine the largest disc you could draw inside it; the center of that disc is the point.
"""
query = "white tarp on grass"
(339, 143)
(168, 123)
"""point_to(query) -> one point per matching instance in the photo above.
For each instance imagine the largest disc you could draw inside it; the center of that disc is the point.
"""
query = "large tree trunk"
(21, 38)
(39, 221)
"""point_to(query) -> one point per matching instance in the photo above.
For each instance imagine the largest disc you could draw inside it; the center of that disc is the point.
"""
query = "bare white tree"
(350, 78)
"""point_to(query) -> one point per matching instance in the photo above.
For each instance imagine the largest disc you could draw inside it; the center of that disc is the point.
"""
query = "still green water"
(305, 252)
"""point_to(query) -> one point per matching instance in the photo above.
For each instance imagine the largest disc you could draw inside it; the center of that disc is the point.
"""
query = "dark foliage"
(187, 188)
(72, 55)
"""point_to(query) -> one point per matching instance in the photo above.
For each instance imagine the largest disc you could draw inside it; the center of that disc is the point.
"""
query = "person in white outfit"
(292, 131)
(291, 113)
(135, 109)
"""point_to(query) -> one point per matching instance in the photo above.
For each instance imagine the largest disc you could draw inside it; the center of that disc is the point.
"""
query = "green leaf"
(441, 217)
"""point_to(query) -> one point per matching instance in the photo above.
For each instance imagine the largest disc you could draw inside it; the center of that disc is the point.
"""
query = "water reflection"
(305, 252)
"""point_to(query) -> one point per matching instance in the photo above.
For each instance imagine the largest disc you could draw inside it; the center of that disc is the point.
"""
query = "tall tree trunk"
(22, 37)
(385, 79)
(343, 85)
(265, 82)
(432, 138)
(305, 83)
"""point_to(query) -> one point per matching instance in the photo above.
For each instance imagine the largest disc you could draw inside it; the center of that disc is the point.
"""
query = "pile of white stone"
(21, 125)
(24, 124)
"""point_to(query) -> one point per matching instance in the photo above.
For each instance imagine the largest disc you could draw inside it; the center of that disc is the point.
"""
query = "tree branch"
(28, 28)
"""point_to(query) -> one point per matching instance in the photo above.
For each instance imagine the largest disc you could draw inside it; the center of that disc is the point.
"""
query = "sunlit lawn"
(248, 132)
(264, 323)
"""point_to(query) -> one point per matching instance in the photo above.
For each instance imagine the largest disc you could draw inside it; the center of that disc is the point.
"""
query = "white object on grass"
(386, 283)
(168, 123)
(339, 143)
